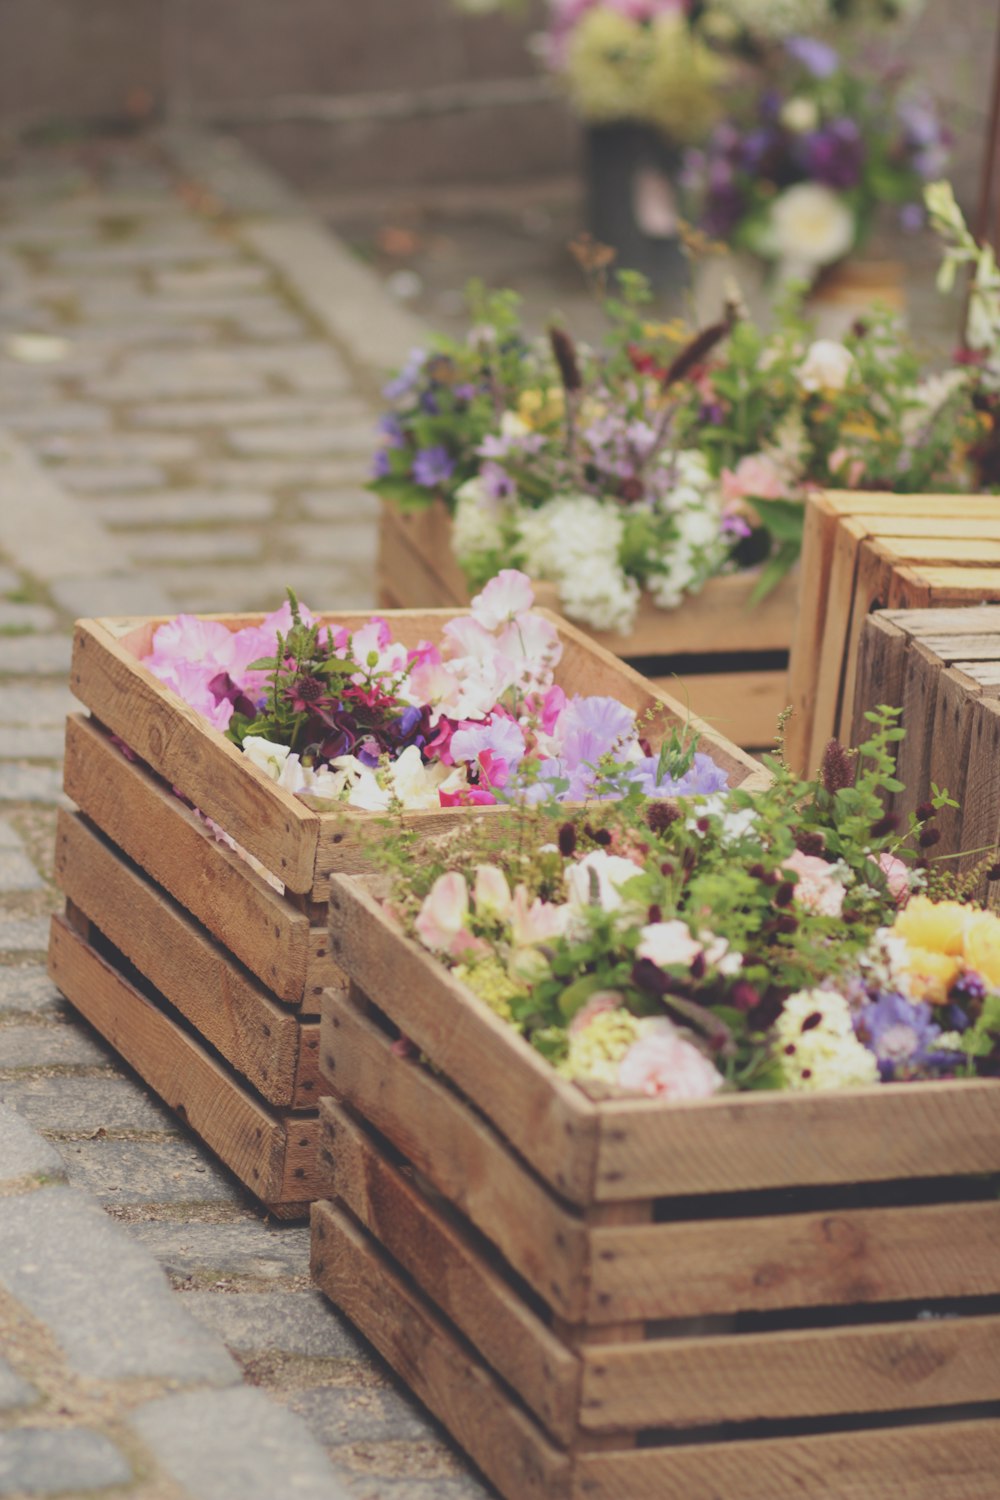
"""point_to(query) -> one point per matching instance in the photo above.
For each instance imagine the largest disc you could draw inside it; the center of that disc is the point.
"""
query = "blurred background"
(431, 137)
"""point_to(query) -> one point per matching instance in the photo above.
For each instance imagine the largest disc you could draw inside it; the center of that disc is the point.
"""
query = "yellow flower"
(538, 408)
(860, 427)
(675, 332)
(931, 974)
(937, 926)
(684, 82)
(982, 945)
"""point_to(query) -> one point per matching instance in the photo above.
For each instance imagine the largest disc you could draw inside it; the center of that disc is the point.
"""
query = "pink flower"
(897, 874)
(529, 649)
(756, 477)
(467, 637)
(662, 1065)
(598, 1005)
(505, 597)
(535, 921)
(469, 796)
(189, 639)
(549, 708)
(426, 654)
(441, 924)
(492, 893)
(817, 888)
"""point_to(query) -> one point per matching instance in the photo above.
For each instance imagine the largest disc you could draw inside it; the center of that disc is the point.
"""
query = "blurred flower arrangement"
(795, 938)
(362, 720)
(666, 457)
(822, 146)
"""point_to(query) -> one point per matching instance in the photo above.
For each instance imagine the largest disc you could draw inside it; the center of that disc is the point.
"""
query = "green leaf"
(784, 519)
(774, 570)
(403, 494)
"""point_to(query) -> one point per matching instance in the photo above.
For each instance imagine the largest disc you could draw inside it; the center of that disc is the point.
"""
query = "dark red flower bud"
(925, 811)
(666, 868)
(744, 996)
(758, 872)
(785, 894)
(565, 355)
(703, 824)
(929, 837)
(698, 966)
(837, 768)
(993, 873)
(787, 923)
(567, 840)
(810, 843)
(602, 837)
(660, 815)
(655, 914)
(885, 825)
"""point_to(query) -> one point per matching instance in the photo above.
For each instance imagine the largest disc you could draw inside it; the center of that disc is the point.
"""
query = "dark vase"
(631, 202)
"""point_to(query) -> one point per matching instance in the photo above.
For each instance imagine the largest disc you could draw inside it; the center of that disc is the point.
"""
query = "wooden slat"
(947, 584)
(981, 619)
(980, 825)
(744, 706)
(142, 816)
(816, 1372)
(449, 1265)
(240, 1130)
(807, 640)
(921, 670)
(950, 742)
(878, 504)
(460, 1153)
(442, 1372)
(881, 662)
(546, 1119)
(182, 747)
(303, 1176)
(829, 666)
(732, 1143)
(266, 1043)
(956, 1461)
(795, 1260)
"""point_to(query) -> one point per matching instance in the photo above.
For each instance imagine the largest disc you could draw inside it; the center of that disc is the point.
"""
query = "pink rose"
(663, 1065)
(897, 874)
(817, 888)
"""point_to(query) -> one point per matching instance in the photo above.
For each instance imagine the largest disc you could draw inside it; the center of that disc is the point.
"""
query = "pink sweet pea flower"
(491, 893)
(441, 924)
(469, 796)
(662, 1065)
(535, 921)
(529, 649)
(897, 874)
(756, 477)
(466, 637)
(426, 654)
(505, 597)
(189, 640)
(817, 888)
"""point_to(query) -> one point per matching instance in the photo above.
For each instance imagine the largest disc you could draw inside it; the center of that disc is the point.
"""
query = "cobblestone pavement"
(188, 409)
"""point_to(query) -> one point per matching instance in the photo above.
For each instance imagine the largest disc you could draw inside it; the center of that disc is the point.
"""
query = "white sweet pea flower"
(669, 945)
(597, 880)
(361, 784)
(505, 597)
(414, 784)
(826, 367)
(276, 761)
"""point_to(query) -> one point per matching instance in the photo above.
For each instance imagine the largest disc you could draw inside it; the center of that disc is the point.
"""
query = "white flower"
(513, 426)
(574, 541)
(505, 597)
(360, 784)
(668, 944)
(800, 115)
(815, 1042)
(810, 226)
(826, 367)
(476, 524)
(415, 785)
(597, 880)
(276, 761)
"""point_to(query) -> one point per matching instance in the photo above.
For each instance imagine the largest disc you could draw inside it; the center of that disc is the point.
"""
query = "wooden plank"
(958, 584)
(983, 619)
(179, 744)
(908, 587)
(742, 1142)
(441, 1372)
(449, 1264)
(807, 643)
(460, 1153)
(871, 584)
(881, 662)
(405, 573)
(979, 838)
(829, 666)
(240, 1130)
(950, 743)
(884, 503)
(816, 1372)
(545, 1118)
(262, 1040)
(921, 671)
(942, 524)
(156, 830)
(970, 551)
(744, 706)
(953, 1461)
(849, 1256)
(304, 1178)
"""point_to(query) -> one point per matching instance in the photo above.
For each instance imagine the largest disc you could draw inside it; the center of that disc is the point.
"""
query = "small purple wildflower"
(391, 429)
(403, 383)
(381, 464)
(433, 466)
(818, 58)
(497, 483)
(902, 1034)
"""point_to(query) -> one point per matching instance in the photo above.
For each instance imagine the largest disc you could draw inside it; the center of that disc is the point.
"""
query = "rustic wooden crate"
(618, 1299)
(941, 667)
(203, 975)
(877, 551)
(718, 651)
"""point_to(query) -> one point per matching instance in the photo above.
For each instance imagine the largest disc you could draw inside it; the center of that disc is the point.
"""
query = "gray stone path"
(186, 409)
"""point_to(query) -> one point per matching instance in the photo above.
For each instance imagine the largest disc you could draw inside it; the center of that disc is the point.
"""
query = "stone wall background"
(336, 91)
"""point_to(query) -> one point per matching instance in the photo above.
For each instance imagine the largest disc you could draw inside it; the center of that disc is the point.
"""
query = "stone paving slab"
(24, 1154)
(52, 1046)
(302, 1323)
(57, 1460)
(28, 784)
(248, 1248)
(14, 1392)
(161, 1171)
(28, 990)
(88, 1106)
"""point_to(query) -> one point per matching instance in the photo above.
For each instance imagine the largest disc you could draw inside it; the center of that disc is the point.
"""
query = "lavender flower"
(702, 780)
(835, 155)
(433, 467)
(381, 464)
(497, 483)
(818, 58)
(403, 383)
(592, 726)
(902, 1034)
(391, 429)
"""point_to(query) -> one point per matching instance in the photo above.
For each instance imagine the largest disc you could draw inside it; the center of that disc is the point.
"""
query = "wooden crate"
(724, 655)
(627, 1300)
(877, 551)
(203, 975)
(942, 668)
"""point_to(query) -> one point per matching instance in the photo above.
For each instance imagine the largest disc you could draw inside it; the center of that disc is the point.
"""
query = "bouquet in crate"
(797, 939)
(665, 457)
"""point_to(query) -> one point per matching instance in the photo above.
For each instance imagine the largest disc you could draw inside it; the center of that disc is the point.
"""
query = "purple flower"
(494, 445)
(497, 482)
(737, 526)
(835, 155)
(429, 403)
(817, 57)
(912, 217)
(902, 1034)
(466, 392)
(390, 428)
(702, 780)
(433, 466)
(381, 464)
(402, 384)
(591, 726)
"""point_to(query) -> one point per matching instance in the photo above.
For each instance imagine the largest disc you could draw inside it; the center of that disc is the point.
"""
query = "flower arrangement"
(667, 456)
(796, 939)
(797, 181)
(358, 719)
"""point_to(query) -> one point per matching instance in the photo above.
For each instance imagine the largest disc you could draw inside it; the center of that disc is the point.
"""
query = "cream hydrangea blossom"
(815, 1043)
(574, 541)
(695, 502)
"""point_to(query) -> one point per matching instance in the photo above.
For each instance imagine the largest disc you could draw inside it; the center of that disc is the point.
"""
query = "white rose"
(826, 367)
(810, 226)
(800, 115)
